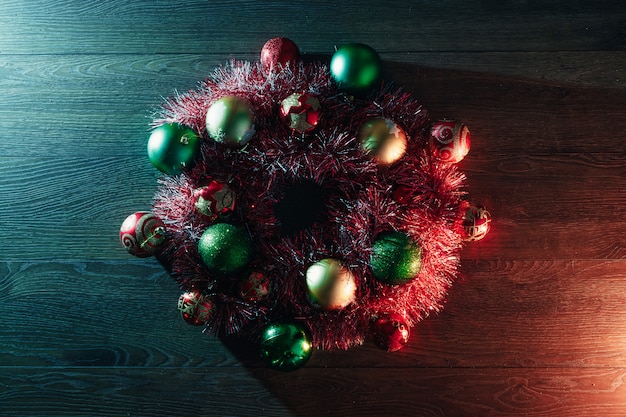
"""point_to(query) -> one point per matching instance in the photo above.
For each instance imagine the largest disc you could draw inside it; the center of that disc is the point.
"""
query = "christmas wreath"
(306, 206)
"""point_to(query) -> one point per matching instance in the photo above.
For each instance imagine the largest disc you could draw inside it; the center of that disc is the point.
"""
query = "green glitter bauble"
(172, 148)
(225, 248)
(355, 67)
(396, 258)
(286, 346)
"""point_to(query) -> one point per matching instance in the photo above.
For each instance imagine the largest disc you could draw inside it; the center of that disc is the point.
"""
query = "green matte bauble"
(383, 140)
(331, 285)
(230, 121)
(396, 258)
(225, 248)
(173, 147)
(286, 347)
(355, 67)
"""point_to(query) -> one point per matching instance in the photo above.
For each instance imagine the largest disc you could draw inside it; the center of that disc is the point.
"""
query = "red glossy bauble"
(391, 332)
(142, 233)
(279, 52)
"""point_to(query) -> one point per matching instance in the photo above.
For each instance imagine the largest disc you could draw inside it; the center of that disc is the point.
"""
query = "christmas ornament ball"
(331, 285)
(396, 258)
(230, 121)
(142, 233)
(279, 51)
(173, 147)
(301, 111)
(255, 287)
(196, 308)
(225, 248)
(450, 140)
(390, 332)
(214, 200)
(383, 140)
(286, 346)
(355, 67)
(476, 222)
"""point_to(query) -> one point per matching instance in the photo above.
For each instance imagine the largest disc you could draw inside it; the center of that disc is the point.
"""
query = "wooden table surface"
(536, 323)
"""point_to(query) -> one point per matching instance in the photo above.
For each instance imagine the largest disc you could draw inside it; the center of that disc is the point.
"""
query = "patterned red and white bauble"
(196, 308)
(449, 140)
(214, 200)
(255, 287)
(301, 111)
(142, 233)
(476, 222)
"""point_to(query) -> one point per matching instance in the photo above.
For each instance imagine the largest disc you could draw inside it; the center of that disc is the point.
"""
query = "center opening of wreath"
(303, 204)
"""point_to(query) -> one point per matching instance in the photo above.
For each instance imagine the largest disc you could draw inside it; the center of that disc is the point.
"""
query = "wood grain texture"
(456, 392)
(71, 27)
(535, 324)
(499, 314)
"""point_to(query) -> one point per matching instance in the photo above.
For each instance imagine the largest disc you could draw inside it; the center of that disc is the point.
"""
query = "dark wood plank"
(71, 27)
(434, 392)
(65, 314)
(123, 314)
(135, 72)
(565, 68)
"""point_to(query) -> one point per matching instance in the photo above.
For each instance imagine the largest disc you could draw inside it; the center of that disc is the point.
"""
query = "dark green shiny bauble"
(286, 347)
(396, 258)
(355, 67)
(225, 248)
(173, 147)
(230, 121)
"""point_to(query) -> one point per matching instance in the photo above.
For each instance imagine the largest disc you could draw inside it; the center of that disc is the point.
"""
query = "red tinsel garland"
(418, 195)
